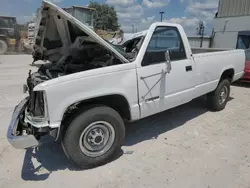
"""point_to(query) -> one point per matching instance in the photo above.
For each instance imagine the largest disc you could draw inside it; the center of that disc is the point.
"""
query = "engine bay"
(84, 55)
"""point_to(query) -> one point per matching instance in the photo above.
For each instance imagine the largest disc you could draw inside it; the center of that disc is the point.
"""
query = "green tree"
(105, 17)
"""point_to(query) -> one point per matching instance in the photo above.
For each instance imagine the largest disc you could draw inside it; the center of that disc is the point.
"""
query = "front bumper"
(20, 141)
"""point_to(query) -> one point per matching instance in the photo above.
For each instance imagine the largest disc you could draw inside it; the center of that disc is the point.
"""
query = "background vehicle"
(9, 34)
(83, 14)
(246, 76)
(92, 88)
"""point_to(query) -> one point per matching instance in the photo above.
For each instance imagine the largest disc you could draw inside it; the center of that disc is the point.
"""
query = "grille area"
(36, 101)
(36, 104)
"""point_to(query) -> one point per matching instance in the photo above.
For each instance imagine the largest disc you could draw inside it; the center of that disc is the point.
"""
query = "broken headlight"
(37, 104)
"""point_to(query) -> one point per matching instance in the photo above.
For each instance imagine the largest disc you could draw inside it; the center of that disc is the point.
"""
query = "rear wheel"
(94, 137)
(218, 99)
(3, 47)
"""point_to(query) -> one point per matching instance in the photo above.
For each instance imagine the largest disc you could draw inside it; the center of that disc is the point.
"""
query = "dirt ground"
(184, 147)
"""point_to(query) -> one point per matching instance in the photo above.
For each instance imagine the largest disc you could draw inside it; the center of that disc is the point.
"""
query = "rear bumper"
(246, 76)
(23, 141)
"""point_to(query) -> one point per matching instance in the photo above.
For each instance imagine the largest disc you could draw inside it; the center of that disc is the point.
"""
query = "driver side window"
(163, 39)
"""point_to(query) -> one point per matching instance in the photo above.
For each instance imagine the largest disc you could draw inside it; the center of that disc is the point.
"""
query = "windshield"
(126, 50)
(7, 22)
(84, 16)
(118, 48)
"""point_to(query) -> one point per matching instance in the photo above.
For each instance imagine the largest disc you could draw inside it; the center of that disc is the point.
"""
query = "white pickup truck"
(91, 88)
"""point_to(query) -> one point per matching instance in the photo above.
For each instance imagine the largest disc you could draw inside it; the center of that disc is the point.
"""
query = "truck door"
(159, 90)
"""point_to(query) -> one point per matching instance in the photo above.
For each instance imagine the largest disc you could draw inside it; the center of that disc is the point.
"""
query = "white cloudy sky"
(185, 12)
(140, 13)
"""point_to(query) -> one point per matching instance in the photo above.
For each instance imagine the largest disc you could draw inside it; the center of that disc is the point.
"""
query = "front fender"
(81, 97)
(63, 94)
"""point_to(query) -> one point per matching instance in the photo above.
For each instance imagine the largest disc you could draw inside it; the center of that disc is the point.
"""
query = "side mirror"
(168, 62)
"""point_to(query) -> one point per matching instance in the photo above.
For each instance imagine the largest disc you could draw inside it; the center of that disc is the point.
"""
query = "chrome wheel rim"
(223, 95)
(97, 138)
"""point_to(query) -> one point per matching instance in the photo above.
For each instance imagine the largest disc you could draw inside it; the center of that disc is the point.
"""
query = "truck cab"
(82, 13)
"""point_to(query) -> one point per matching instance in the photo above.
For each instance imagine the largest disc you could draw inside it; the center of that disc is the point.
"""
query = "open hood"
(56, 31)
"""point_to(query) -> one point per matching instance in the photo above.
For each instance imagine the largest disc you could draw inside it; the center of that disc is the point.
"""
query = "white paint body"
(133, 81)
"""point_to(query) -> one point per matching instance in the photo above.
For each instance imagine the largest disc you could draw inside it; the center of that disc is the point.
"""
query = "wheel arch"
(117, 102)
(227, 74)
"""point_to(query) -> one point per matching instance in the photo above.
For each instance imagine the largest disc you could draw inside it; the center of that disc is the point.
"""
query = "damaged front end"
(30, 120)
(19, 134)
(36, 112)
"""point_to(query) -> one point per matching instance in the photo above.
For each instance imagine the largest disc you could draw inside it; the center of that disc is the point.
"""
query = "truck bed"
(210, 64)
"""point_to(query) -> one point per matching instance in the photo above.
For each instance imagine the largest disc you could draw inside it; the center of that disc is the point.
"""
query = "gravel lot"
(184, 147)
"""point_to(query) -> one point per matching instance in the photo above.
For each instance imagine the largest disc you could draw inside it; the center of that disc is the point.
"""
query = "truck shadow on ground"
(152, 127)
(39, 163)
(241, 84)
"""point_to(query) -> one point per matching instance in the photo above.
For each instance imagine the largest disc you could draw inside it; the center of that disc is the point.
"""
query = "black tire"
(213, 98)
(3, 47)
(72, 136)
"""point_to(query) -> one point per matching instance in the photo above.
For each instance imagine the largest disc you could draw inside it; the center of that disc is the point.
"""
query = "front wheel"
(94, 137)
(217, 100)
(3, 47)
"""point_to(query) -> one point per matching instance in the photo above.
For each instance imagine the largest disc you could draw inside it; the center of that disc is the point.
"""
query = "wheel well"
(117, 102)
(228, 74)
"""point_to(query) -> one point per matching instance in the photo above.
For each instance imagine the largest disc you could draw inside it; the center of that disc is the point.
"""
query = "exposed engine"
(83, 55)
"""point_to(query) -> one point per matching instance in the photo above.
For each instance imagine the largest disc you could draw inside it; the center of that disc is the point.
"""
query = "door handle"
(189, 68)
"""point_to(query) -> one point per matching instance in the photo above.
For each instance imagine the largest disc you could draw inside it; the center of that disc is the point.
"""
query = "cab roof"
(7, 17)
